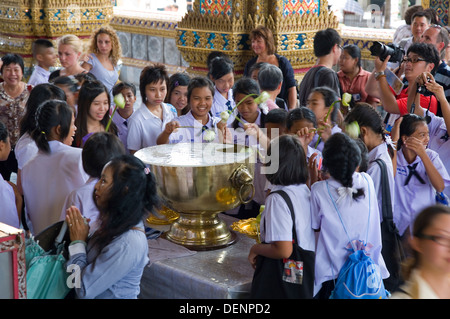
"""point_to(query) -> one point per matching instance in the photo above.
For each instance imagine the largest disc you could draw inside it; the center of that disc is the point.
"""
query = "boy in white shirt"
(45, 55)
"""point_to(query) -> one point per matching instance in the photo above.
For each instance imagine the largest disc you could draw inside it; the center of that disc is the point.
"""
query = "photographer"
(421, 57)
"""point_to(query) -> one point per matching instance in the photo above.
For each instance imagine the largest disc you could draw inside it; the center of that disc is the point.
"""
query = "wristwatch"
(378, 74)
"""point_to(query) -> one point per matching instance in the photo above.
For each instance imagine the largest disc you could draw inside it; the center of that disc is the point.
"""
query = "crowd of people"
(74, 156)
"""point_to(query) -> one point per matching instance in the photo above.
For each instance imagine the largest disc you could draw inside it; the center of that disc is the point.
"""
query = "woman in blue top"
(110, 263)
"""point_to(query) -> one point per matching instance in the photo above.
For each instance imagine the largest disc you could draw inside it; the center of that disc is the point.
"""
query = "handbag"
(392, 249)
(288, 278)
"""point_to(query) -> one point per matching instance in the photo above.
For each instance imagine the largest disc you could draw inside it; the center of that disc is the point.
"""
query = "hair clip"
(146, 171)
(176, 84)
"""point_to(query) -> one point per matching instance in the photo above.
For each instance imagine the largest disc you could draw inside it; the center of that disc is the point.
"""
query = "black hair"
(220, 67)
(364, 164)
(420, 14)
(199, 82)
(301, 113)
(12, 58)
(152, 74)
(98, 150)
(292, 167)
(214, 55)
(256, 66)
(341, 157)
(39, 94)
(123, 85)
(428, 52)
(4, 134)
(132, 195)
(367, 116)
(88, 92)
(325, 40)
(67, 81)
(408, 126)
(48, 115)
(246, 86)
(278, 116)
(269, 77)
(354, 51)
(85, 76)
(41, 44)
(329, 96)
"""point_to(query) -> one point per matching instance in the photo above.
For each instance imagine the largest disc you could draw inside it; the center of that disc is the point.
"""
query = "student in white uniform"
(372, 134)
(246, 130)
(98, 150)
(121, 117)
(420, 172)
(221, 72)
(150, 119)
(197, 125)
(276, 222)
(437, 125)
(319, 101)
(26, 148)
(354, 195)
(56, 170)
(11, 204)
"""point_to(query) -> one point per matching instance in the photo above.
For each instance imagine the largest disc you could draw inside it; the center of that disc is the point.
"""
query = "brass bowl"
(168, 216)
(198, 181)
(248, 227)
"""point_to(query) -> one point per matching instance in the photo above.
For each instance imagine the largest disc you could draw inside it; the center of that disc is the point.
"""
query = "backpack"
(359, 277)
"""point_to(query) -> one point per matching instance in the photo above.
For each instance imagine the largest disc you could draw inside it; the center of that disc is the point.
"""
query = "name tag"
(402, 171)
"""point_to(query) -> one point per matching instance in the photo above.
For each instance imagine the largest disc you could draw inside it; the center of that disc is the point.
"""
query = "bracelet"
(380, 76)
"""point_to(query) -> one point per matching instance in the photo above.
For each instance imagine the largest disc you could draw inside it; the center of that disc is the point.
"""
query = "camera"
(422, 89)
(382, 50)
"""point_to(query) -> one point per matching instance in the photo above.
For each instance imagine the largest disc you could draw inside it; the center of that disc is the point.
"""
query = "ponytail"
(48, 115)
(341, 157)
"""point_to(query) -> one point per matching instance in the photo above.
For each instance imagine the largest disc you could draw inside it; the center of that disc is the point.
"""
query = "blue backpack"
(359, 277)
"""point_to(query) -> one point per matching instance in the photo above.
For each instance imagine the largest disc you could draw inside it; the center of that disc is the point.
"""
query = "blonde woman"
(103, 56)
(70, 49)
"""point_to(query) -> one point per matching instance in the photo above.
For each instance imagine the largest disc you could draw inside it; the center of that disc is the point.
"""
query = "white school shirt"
(220, 104)
(8, 210)
(239, 137)
(83, 199)
(144, 127)
(25, 150)
(39, 76)
(438, 143)
(332, 242)
(334, 129)
(414, 197)
(195, 131)
(276, 220)
(374, 170)
(122, 128)
(47, 179)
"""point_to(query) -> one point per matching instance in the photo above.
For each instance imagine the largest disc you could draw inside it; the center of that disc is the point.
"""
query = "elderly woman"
(352, 77)
(14, 95)
(263, 45)
(69, 53)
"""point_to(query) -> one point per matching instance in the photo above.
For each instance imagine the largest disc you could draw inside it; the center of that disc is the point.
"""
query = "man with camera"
(421, 57)
(439, 38)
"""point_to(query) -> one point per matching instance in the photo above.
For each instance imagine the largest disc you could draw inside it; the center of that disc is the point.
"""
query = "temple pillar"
(24, 21)
(215, 25)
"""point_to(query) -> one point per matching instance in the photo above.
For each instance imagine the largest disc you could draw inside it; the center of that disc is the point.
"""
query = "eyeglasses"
(436, 26)
(412, 60)
(443, 241)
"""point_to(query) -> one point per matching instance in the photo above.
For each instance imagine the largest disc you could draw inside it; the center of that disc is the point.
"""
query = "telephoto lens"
(382, 50)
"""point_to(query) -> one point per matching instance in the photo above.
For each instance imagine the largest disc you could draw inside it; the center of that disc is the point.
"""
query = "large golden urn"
(200, 180)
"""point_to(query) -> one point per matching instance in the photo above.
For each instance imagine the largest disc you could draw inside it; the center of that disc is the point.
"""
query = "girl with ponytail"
(56, 169)
(113, 259)
(352, 194)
